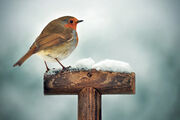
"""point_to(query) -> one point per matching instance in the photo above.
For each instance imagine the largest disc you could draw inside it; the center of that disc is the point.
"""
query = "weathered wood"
(89, 85)
(72, 82)
(89, 104)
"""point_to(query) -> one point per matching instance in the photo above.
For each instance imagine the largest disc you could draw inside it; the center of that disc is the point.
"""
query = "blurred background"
(144, 33)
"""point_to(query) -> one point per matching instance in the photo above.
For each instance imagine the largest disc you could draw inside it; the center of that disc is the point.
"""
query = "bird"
(56, 41)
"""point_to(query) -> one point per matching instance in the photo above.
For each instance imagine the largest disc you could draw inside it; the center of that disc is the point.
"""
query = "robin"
(56, 42)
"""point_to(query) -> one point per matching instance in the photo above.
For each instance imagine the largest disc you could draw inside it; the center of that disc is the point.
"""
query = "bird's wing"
(45, 41)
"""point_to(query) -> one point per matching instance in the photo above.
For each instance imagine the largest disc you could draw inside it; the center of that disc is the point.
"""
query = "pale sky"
(143, 33)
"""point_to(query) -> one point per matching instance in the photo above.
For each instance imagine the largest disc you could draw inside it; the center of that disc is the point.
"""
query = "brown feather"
(51, 40)
(26, 56)
(53, 34)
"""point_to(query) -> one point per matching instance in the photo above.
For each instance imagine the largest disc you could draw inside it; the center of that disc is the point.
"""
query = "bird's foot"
(47, 70)
(66, 68)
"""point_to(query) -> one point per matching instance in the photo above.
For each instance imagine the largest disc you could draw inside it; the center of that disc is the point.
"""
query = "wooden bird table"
(89, 85)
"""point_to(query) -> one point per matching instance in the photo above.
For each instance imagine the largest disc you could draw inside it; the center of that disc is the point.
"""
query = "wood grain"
(72, 82)
(89, 104)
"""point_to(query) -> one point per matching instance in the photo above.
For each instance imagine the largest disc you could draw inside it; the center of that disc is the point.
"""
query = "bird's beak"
(80, 21)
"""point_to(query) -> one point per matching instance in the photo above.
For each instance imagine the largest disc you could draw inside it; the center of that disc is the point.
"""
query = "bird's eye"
(71, 21)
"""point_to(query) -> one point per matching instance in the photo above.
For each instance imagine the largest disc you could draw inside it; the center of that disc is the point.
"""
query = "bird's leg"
(47, 69)
(60, 64)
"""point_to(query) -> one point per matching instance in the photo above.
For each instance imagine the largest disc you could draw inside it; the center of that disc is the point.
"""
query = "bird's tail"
(24, 58)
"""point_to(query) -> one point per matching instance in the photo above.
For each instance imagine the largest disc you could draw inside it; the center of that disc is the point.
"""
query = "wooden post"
(89, 104)
(89, 85)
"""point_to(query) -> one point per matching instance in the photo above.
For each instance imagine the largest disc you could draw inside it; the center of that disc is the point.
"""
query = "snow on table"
(85, 63)
(113, 65)
(105, 65)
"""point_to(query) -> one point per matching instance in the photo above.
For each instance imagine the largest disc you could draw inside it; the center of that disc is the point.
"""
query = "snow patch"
(113, 65)
(85, 63)
(105, 65)
(53, 71)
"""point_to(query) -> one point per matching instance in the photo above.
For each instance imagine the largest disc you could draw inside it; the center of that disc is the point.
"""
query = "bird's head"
(70, 22)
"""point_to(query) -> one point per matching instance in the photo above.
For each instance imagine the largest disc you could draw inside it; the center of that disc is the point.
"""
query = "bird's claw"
(47, 70)
(66, 68)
